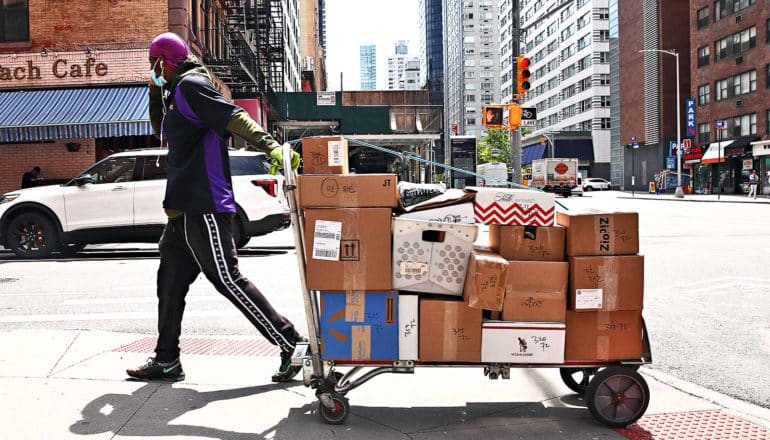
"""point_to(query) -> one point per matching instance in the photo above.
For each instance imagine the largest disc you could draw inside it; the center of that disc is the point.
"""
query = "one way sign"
(529, 117)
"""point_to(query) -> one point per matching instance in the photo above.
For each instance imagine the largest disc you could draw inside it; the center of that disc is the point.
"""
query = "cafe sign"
(56, 69)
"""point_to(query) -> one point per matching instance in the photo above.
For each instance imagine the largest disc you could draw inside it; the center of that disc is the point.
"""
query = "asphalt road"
(707, 303)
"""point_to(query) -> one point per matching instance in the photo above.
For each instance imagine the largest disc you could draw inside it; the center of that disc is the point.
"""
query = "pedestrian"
(188, 112)
(753, 184)
(29, 178)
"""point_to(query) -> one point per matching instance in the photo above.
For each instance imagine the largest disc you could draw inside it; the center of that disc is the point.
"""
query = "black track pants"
(192, 244)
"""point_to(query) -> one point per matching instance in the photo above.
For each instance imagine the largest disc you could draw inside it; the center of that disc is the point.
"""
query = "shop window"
(14, 20)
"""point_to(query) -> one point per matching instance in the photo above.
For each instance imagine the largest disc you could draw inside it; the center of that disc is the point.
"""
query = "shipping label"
(413, 268)
(335, 153)
(326, 240)
(588, 299)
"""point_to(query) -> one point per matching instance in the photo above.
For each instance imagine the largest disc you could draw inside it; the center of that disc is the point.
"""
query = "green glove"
(276, 159)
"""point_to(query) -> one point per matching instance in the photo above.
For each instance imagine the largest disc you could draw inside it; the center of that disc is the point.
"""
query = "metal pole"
(515, 154)
(633, 171)
(679, 191)
(719, 163)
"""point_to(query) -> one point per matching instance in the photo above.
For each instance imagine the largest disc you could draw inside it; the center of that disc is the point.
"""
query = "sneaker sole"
(162, 379)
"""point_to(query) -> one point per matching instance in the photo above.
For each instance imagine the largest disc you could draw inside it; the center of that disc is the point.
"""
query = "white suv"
(595, 183)
(119, 199)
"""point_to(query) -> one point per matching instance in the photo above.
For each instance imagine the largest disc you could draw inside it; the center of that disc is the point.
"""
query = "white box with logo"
(408, 327)
(509, 206)
(431, 257)
(522, 342)
(462, 213)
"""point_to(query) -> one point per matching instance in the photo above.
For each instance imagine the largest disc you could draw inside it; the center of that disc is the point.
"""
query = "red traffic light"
(523, 63)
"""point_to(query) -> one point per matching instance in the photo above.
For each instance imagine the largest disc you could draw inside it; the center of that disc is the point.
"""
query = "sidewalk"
(725, 198)
(70, 384)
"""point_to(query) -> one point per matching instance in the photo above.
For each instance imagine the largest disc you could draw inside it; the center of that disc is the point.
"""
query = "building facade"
(453, 73)
(410, 79)
(312, 45)
(432, 49)
(730, 68)
(568, 44)
(647, 84)
(481, 62)
(397, 64)
(368, 67)
(93, 80)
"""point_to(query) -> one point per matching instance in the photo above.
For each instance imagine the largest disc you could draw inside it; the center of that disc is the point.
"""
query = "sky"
(353, 23)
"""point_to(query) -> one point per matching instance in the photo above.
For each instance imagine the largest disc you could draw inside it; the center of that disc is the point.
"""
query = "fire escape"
(253, 58)
(270, 42)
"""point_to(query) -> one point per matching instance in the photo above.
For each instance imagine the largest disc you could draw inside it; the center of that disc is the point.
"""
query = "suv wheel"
(32, 235)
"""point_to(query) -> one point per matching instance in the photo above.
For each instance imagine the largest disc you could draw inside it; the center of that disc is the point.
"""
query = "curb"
(696, 201)
(739, 408)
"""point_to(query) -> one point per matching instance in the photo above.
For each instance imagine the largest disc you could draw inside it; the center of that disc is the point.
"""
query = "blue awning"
(582, 149)
(38, 115)
(531, 153)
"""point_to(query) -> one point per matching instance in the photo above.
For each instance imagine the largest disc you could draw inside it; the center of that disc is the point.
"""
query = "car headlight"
(10, 197)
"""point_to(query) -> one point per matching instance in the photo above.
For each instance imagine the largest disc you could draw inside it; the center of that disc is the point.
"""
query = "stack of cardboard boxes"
(414, 287)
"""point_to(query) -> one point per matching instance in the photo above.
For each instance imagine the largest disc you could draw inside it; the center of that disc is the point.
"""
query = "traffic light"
(514, 116)
(522, 75)
(493, 116)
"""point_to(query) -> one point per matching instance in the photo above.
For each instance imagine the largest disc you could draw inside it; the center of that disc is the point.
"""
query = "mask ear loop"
(162, 100)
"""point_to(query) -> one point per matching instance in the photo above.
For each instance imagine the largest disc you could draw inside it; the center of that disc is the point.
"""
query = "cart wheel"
(617, 396)
(337, 415)
(577, 379)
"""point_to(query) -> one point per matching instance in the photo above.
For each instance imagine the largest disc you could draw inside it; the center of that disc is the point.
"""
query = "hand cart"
(615, 393)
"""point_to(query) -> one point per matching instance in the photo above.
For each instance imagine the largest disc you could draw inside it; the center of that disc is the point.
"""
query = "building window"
(470, 121)
(745, 83)
(768, 121)
(721, 89)
(470, 98)
(735, 44)
(744, 125)
(470, 63)
(604, 57)
(14, 21)
(703, 17)
(767, 76)
(604, 123)
(704, 95)
(704, 133)
(605, 101)
(585, 84)
(604, 79)
(584, 42)
(604, 35)
(704, 54)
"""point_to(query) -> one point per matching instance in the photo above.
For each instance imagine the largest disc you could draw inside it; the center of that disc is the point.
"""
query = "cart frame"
(331, 386)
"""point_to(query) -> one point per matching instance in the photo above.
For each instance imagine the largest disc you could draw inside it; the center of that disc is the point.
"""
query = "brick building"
(73, 84)
(731, 81)
(646, 85)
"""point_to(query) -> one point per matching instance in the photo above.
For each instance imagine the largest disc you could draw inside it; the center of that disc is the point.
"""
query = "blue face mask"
(158, 80)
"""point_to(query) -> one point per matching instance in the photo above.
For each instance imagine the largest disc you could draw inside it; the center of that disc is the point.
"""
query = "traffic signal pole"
(515, 158)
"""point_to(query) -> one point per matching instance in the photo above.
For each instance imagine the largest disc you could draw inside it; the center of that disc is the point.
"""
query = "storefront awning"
(532, 153)
(582, 149)
(39, 115)
(716, 152)
(761, 148)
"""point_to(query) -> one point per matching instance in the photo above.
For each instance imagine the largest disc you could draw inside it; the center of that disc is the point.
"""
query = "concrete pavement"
(725, 198)
(57, 384)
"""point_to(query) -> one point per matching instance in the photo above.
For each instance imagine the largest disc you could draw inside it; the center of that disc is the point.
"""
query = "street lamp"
(679, 193)
(550, 141)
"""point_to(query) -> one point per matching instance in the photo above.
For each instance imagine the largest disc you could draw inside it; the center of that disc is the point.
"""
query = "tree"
(497, 141)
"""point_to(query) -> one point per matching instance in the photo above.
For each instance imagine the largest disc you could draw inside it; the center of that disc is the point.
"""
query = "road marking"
(119, 316)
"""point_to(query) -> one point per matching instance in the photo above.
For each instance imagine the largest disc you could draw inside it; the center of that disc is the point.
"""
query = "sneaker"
(286, 371)
(154, 370)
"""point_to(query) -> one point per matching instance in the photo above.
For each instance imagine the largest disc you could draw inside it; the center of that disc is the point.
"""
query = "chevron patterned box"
(504, 206)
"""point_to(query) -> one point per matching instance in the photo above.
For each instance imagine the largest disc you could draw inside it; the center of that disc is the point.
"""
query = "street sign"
(671, 162)
(635, 145)
(719, 124)
(690, 112)
(686, 145)
(529, 117)
(633, 139)
(672, 149)
(325, 98)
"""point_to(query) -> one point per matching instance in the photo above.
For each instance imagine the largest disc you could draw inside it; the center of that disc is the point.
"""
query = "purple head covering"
(172, 49)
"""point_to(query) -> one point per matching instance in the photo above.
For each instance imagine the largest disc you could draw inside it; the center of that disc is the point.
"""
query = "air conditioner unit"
(738, 18)
(739, 102)
(739, 59)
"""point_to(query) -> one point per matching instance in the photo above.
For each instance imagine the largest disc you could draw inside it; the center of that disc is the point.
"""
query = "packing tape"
(361, 342)
(610, 272)
(355, 306)
(449, 344)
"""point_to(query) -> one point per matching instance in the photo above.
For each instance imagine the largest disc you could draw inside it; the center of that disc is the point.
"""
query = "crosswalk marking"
(116, 316)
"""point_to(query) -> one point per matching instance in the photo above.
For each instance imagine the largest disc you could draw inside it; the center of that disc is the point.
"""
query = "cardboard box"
(506, 206)
(528, 243)
(485, 281)
(431, 257)
(325, 155)
(462, 213)
(348, 191)
(450, 331)
(522, 342)
(408, 327)
(348, 248)
(536, 291)
(606, 283)
(604, 336)
(359, 326)
(596, 233)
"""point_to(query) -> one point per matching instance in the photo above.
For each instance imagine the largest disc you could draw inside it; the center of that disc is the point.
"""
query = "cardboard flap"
(449, 198)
